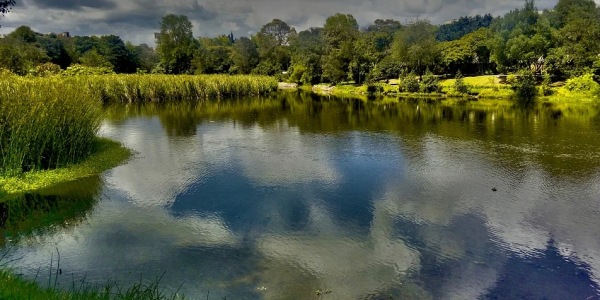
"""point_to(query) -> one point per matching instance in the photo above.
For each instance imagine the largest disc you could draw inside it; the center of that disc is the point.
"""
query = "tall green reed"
(45, 123)
(51, 122)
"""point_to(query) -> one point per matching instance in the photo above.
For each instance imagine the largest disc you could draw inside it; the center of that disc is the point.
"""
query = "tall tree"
(176, 44)
(340, 32)
(307, 50)
(273, 41)
(415, 46)
(244, 56)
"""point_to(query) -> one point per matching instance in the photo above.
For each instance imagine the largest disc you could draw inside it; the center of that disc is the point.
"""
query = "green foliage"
(430, 84)
(374, 89)
(19, 56)
(460, 87)
(176, 44)
(469, 54)
(525, 86)
(244, 56)
(93, 59)
(46, 130)
(14, 288)
(105, 154)
(45, 70)
(81, 70)
(463, 26)
(546, 88)
(409, 84)
(340, 32)
(584, 83)
(416, 47)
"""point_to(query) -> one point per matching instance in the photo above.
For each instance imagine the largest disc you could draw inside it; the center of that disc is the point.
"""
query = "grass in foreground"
(15, 288)
(107, 154)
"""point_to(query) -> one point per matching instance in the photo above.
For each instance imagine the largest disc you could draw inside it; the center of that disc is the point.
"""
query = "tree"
(244, 56)
(273, 41)
(113, 48)
(20, 57)
(415, 46)
(340, 32)
(308, 48)
(95, 60)
(56, 50)
(5, 7)
(145, 57)
(176, 45)
(469, 54)
(463, 26)
(564, 8)
(577, 49)
(25, 34)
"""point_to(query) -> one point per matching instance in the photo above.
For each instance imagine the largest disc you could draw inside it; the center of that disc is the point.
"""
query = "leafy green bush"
(430, 84)
(78, 70)
(525, 86)
(374, 88)
(583, 83)
(511, 79)
(546, 89)
(297, 74)
(460, 87)
(45, 70)
(409, 84)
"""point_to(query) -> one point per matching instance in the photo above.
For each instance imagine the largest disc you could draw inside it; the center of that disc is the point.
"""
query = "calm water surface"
(277, 197)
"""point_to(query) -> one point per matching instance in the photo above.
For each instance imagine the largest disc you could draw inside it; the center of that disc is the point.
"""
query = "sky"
(137, 20)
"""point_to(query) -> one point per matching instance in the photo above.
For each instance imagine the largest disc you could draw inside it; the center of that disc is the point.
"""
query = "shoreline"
(109, 154)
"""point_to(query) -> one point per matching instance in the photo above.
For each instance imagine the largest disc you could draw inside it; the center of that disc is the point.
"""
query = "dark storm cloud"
(72, 4)
(137, 20)
(149, 17)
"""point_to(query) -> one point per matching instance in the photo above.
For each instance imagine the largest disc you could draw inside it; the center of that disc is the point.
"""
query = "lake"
(282, 196)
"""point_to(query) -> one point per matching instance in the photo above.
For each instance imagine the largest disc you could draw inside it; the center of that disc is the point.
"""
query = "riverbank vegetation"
(557, 44)
(13, 287)
(52, 122)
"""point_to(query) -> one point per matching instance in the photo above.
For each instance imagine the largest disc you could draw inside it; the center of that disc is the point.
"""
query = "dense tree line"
(562, 42)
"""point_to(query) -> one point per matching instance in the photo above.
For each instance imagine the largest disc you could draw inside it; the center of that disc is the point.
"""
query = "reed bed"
(47, 123)
(157, 88)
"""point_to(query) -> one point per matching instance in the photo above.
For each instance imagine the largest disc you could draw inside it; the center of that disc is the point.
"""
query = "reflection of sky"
(234, 208)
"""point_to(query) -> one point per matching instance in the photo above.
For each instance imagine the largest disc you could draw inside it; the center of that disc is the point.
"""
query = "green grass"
(139, 88)
(107, 154)
(15, 288)
(45, 123)
(49, 123)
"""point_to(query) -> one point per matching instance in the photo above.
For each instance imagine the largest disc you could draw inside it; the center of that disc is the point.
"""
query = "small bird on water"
(494, 189)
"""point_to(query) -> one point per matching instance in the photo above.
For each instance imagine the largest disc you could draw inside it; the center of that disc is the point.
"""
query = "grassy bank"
(105, 154)
(15, 288)
(577, 89)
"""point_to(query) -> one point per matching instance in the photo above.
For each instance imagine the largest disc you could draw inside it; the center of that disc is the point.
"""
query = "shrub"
(45, 70)
(460, 87)
(546, 89)
(511, 79)
(374, 88)
(583, 83)
(409, 84)
(297, 74)
(81, 70)
(525, 86)
(430, 84)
